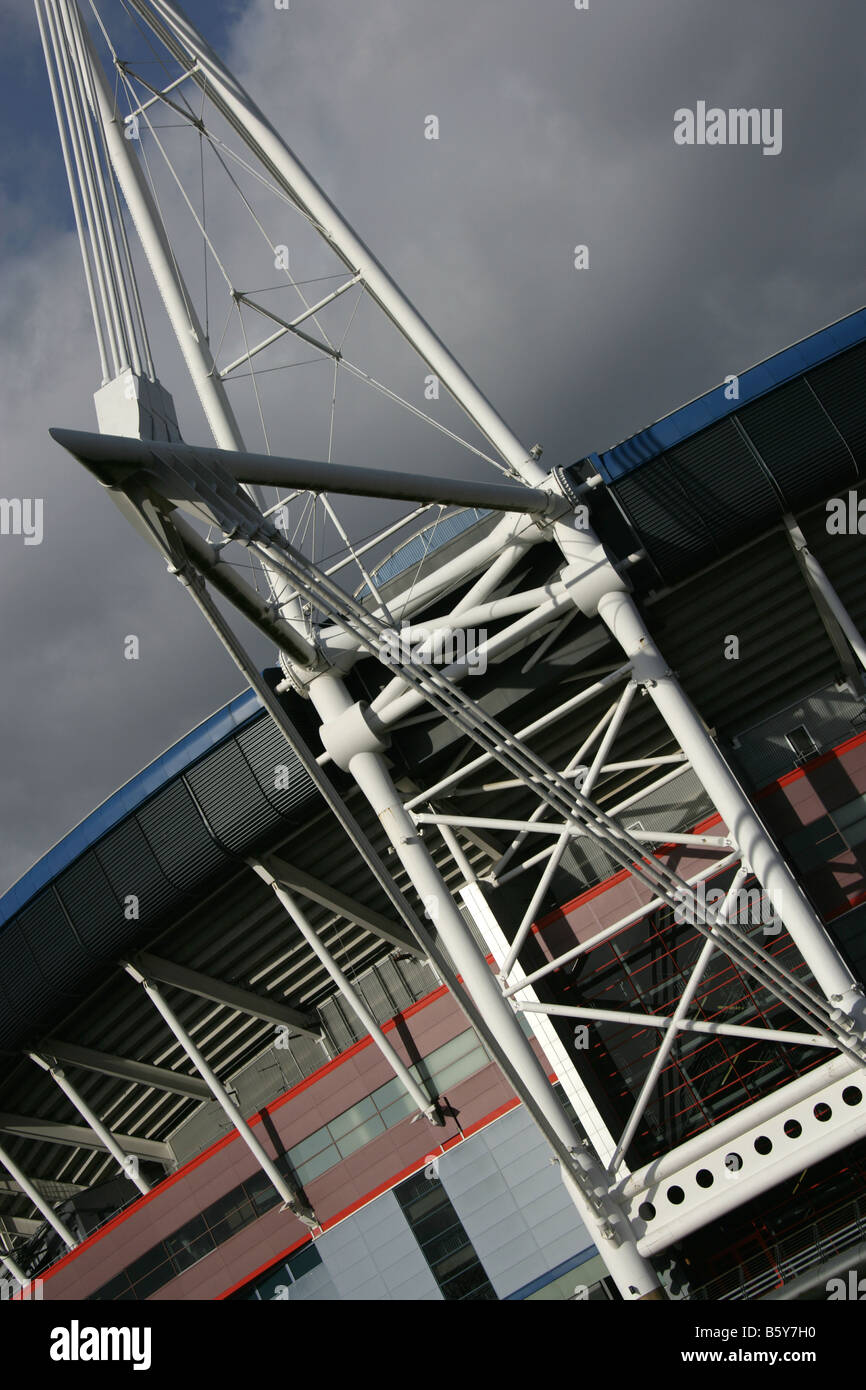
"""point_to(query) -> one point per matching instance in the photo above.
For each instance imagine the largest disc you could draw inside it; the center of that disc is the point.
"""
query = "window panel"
(318, 1165)
(370, 1129)
(313, 1144)
(349, 1119)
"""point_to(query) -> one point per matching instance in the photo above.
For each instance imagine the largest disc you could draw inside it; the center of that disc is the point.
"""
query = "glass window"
(150, 1260)
(190, 1244)
(851, 820)
(304, 1260)
(392, 1090)
(236, 1220)
(398, 1109)
(276, 1279)
(442, 1239)
(118, 1287)
(261, 1192)
(446, 1077)
(350, 1119)
(313, 1144)
(815, 844)
(155, 1279)
(318, 1165)
(361, 1136)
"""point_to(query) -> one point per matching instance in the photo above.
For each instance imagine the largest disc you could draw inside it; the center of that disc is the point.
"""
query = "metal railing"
(785, 1260)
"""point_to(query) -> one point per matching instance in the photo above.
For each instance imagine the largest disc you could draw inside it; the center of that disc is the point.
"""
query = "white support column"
(8, 1262)
(426, 1107)
(127, 1163)
(178, 303)
(39, 1203)
(635, 1277)
(218, 1091)
(817, 579)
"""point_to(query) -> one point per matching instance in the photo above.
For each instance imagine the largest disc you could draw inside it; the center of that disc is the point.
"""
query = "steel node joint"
(354, 731)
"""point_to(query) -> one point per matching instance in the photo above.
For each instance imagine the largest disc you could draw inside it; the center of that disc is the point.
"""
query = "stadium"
(527, 967)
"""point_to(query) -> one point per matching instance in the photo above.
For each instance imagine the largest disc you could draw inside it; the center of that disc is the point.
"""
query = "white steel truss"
(507, 812)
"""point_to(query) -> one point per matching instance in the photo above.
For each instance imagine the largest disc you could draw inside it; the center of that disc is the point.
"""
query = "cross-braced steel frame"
(506, 812)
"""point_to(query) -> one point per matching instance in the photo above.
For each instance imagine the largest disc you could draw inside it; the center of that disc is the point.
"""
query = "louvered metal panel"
(52, 943)
(798, 443)
(95, 908)
(179, 838)
(132, 869)
(238, 820)
(838, 384)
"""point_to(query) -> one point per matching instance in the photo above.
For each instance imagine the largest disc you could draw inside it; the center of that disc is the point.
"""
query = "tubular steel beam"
(82, 1137)
(125, 1069)
(426, 1107)
(39, 1202)
(291, 1198)
(167, 972)
(326, 895)
(116, 455)
(127, 1163)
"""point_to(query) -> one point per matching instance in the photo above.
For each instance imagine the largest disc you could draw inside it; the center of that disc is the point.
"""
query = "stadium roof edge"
(713, 405)
(220, 725)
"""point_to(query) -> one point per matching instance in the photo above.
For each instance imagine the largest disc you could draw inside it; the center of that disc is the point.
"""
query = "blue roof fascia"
(785, 366)
(169, 765)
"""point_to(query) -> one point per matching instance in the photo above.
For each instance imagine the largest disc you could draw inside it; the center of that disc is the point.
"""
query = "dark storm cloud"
(556, 129)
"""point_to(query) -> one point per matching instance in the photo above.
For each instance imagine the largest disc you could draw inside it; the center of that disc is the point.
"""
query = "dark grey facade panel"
(838, 384)
(179, 838)
(52, 943)
(265, 750)
(799, 444)
(692, 625)
(95, 908)
(241, 817)
(133, 871)
(734, 480)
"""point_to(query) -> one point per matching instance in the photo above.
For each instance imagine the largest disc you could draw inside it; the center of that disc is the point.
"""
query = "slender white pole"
(126, 1162)
(217, 1090)
(425, 1105)
(188, 330)
(73, 191)
(816, 575)
(14, 1268)
(41, 1206)
(178, 304)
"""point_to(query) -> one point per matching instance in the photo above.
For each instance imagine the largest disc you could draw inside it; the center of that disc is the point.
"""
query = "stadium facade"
(387, 984)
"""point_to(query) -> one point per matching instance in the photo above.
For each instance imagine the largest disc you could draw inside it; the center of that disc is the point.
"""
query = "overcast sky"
(556, 128)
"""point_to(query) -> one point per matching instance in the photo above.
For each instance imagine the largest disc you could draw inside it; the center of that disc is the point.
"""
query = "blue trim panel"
(548, 1278)
(614, 463)
(220, 726)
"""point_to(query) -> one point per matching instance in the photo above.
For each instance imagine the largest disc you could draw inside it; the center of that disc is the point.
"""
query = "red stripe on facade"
(229, 1138)
(375, 1192)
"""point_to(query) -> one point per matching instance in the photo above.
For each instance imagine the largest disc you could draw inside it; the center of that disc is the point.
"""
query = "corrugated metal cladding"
(161, 855)
(840, 555)
(760, 598)
(715, 491)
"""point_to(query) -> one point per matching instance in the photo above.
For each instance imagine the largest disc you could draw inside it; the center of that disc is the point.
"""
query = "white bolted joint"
(351, 733)
(590, 575)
